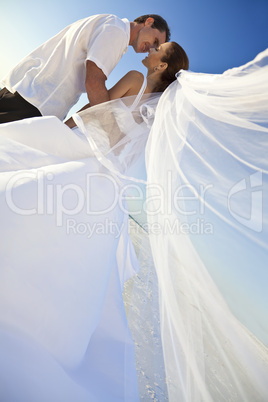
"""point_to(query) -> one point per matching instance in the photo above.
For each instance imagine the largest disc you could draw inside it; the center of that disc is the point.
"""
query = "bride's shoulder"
(129, 85)
(136, 75)
(135, 80)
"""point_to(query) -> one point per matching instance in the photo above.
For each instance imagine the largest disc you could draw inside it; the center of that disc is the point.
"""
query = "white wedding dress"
(65, 255)
(196, 299)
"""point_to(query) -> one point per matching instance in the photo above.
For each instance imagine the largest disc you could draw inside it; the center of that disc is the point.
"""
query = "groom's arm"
(95, 84)
(95, 87)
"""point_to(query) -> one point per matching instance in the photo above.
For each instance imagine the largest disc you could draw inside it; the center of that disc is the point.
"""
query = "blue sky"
(216, 34)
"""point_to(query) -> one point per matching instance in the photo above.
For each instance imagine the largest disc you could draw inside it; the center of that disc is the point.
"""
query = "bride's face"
(155, 55)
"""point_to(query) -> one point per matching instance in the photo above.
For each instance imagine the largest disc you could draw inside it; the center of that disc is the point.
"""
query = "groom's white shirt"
(52, 77)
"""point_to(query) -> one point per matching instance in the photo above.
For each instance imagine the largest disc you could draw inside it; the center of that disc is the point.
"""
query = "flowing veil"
(207, 197)
(197, 308)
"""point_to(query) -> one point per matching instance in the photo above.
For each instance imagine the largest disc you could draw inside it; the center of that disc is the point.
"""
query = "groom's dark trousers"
(15, 107)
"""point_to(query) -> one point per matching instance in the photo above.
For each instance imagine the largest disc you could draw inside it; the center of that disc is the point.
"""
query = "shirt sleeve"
(107, 48)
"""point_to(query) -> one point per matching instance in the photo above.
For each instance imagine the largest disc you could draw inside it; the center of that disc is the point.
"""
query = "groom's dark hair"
(159, 23)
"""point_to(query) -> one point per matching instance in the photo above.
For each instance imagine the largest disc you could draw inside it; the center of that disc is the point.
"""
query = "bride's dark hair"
(177, 59)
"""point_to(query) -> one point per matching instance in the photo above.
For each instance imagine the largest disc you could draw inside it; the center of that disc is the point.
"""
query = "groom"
(50, 80)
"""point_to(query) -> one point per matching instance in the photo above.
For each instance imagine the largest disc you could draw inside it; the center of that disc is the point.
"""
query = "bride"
(65, 249)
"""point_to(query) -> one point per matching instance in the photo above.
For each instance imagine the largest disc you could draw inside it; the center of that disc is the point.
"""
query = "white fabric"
(65, 255)
(61, 303)
(61, 283)
(117, 132)
(207, 205)
(52, 77)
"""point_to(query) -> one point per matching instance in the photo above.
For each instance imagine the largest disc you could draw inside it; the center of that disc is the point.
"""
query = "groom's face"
(148, 37)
